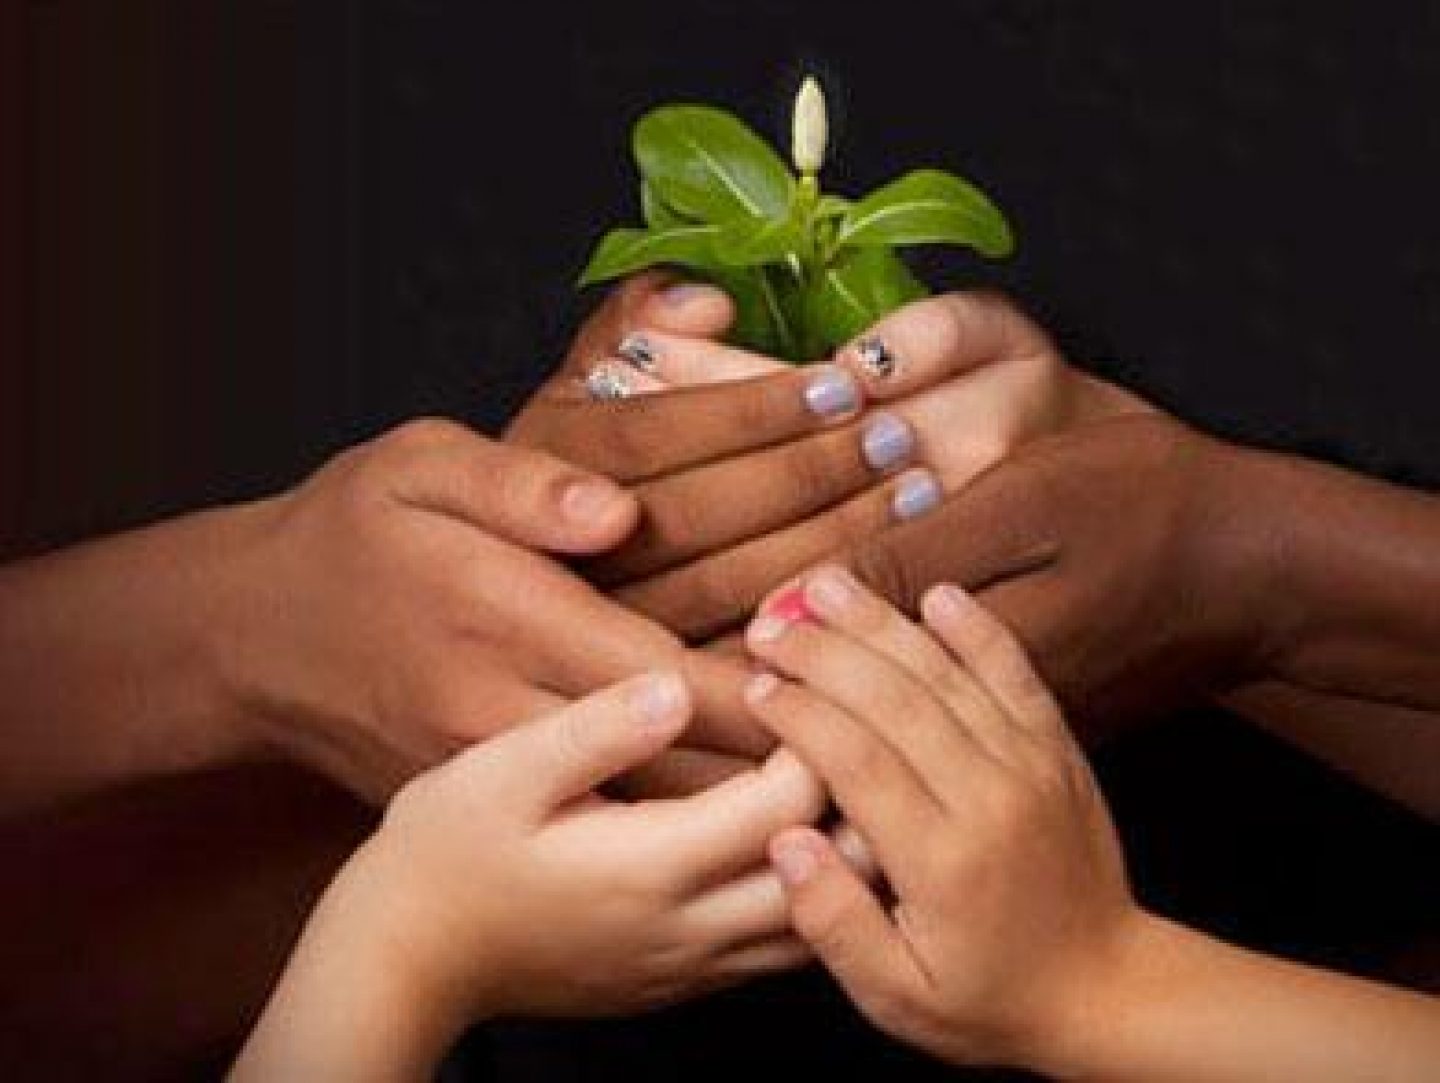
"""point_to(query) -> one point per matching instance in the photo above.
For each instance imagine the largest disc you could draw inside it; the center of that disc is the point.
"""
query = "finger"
(679, 360)
(880, 696)
(740, 912)
(706, 597)
(697, 512)
(851, 846)
(680, 772)
(834, 912)
(694, 309)
(609, 323)
(931, 340)
(876, 789)
(649, 436)
(843, 604)
(999, 527)
(526, 496)
(780, 953)
(711, 837)
(994, 657)
(566, 755)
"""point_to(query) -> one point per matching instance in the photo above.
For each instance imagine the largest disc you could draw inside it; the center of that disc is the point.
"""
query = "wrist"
(362, 996)
(1109, 1012)
(1249, 516)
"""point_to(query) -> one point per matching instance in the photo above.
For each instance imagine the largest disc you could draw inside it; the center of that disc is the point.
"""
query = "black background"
(257, 232)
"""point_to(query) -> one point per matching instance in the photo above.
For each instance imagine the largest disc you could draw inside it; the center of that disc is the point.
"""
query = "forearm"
(1360, 578)
(351, 1004)
(1387, 748)
(1188, 1008)
(108, 660)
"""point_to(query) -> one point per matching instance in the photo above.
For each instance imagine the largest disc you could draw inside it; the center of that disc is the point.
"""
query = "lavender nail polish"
(916, 494)
(685, 292)
(887, 442)
(832, 393)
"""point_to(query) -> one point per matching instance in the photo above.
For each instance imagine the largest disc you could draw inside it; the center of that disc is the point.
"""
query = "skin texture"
(635, 905)
(1008, 933)
(725, 516)
(1233, 566)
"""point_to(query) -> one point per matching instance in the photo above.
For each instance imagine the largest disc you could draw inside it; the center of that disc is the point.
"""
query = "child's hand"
(501, 883)
(957, 769)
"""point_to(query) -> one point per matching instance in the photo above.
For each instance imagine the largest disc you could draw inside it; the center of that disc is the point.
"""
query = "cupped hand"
(955, 383)
(400, 604)
(1007, 902)
(1126, 553)
(502, 883)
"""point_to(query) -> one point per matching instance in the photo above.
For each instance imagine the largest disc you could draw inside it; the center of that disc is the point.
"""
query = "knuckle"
(421, 436)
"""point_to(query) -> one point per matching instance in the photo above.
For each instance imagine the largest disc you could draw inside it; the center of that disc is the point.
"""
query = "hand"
(1128, 554)
(964, 379)
(952, 760)
(714, 468)
(391, 609)
(502, 884)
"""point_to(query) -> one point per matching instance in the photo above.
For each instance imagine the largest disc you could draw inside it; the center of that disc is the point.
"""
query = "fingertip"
(660, 701)
(945, 604)
(796, 854)
(596, 513)
(689, 308)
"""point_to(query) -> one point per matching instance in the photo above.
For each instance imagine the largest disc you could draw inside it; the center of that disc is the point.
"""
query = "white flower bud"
(808, 132)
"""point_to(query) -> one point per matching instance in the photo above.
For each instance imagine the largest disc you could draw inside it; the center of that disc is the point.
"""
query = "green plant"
(807, 270)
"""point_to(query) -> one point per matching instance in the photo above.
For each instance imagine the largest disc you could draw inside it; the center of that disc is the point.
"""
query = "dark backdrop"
(256, 232)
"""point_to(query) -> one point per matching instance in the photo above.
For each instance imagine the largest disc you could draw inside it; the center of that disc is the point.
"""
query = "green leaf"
(749, 242)
(766, 310)
(706, 164)
(658, 214)
(927, 207)
(622, 251)
(863, 285)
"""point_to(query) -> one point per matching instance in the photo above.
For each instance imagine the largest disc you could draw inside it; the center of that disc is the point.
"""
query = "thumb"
(526, 496)
(568, 754)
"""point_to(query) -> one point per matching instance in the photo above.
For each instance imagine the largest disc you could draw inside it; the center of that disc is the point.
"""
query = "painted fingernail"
(876, 358)
(917, 493)
(639, 352)
(767, 629)
(832, 393)
(830, 590)
(888, 441)
(657, 698)
(794, 861)
(790, 607)
(682, 293)
(588, 501)
(760, 687)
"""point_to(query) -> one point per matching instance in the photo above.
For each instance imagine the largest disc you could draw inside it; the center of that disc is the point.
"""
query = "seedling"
(808, 270)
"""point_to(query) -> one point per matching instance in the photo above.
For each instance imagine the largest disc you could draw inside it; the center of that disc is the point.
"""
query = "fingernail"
(684, 292)
(830, 590)
(945, 601)
(887, 442)
(790, 607)
(639, 352)
(917, 493)
(760, 687)
(832, 393)
(657, 698)
(588, 501)
(767, 629)
(794, 861)
(876, 358)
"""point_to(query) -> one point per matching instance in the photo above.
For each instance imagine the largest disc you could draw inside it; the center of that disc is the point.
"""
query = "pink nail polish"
(791, 606)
